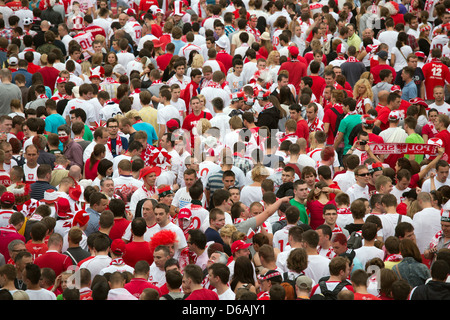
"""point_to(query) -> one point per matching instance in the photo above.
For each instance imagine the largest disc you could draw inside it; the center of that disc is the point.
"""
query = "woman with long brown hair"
(91, 165)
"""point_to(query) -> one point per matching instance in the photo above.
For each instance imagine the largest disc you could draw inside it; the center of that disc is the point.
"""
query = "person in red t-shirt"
(436, 73)
(441, 124)
(117, 206)
(191, 120)
(163, 60)
(192, 280)
(302, 126)
(138, 249)
(53, 258)
(359, 282)
(139, 282)
(144, 5)
(36, 246)
(296, 67)
(49, 73)
(331, 115)
(382, 64)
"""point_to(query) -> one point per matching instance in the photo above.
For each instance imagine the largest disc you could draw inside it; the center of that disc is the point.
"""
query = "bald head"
(383, 97)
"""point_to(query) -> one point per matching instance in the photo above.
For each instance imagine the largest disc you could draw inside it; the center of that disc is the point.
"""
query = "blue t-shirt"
(409, 91)
(147, 127)
(53, 121)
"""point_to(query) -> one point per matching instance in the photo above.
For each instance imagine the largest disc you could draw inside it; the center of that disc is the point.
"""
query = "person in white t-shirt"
(125, 185)
(86, 93)
(439, 179)
(123, 56)
(163, 219)
(31, 275)
(391, 218)
(31, 165)
(218, 276)
(426, 222)
(182, 197)
(166, 111)
(360, 189)
(281, 237)
(368, 250)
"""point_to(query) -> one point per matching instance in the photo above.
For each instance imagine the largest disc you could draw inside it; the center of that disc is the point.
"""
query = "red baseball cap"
(293, 50)
(118, 246)
(8, 198)
(239, 245)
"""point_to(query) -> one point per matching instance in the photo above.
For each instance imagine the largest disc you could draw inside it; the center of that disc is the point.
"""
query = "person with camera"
(359, 146)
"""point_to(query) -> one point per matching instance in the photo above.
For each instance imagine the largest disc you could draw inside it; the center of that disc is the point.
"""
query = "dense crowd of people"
(224, 150)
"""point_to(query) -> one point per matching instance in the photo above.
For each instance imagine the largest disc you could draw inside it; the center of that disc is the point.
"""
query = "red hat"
(61, 80)
(420, 54)
(377, 166)
(118, 246)
(394, 115)
(164, 191)
(8, 198)
(238, 245)
(367, 119)
(130, 12)
(419, 101)
(340, 49)
(436, 142)
(157, 43)
(97, 72)
(293, 50)
(395, 88)
(63, 209)
(75, 192)
(147, 170)
(238, 96)
(263, 95)
(172, 125)
(184, 213)
(80, 219)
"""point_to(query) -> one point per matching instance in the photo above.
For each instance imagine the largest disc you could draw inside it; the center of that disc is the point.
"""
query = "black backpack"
(169, 297)
(291, 282)
(355, 240)
(339, 117)
(327, 293)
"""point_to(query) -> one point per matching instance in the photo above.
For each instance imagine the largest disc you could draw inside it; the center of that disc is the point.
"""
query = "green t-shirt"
(415, 138)
(302, 208)
(88, 136)
(346, 126)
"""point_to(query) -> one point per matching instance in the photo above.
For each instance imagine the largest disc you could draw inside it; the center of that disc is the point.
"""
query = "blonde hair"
(203, 125)
(227, 230)
(365, 83)
(259, 173)
(271, 58)
(197, 61)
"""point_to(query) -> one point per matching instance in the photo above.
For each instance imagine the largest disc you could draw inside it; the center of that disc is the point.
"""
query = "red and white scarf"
(119, 147)
(437, 237)
(267, 106)
(394, 257)
(117, 262)
(135, 91)
(351, 113)
(352, 59)
(212, 84)
(344, 211)
(315, 126)
(42, 96)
